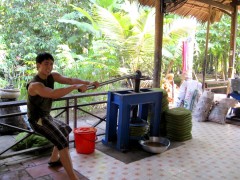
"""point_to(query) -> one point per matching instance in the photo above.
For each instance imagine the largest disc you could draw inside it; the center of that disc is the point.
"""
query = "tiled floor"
(212, 154)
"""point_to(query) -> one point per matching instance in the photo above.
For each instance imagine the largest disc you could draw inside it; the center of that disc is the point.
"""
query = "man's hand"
(81, 87)
(95, 84)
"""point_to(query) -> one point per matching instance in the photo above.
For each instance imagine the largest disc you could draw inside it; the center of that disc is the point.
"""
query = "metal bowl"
(155, 144)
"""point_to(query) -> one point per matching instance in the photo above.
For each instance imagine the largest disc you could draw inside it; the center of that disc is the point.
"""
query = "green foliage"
(96, 39)
(30, 142)
(101, 35)
(219, 47)
(27, 29)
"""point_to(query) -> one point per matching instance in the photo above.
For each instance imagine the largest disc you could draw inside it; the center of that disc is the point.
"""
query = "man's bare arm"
(66, 80)
(37, 88)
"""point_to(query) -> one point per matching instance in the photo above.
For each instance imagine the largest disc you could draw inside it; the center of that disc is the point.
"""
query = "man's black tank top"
(38, 106)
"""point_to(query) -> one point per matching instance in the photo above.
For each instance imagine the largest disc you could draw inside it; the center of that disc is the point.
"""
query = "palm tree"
(130, 32)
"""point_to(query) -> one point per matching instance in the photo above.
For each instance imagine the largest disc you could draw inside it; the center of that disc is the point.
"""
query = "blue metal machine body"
(119, 115)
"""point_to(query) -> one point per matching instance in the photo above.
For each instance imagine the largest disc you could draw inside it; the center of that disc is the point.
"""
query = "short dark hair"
(44, 56)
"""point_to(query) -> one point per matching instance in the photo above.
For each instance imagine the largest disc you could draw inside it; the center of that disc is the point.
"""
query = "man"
(41, 92)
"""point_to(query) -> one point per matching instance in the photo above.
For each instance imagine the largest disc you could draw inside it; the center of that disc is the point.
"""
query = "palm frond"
(109, 25)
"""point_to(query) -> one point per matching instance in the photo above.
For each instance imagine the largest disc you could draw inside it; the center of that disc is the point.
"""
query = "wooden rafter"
(218, 5)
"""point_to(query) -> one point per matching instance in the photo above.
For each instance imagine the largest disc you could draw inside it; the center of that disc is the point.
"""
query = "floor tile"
(41, 170)
(15, 175)
(60, 175)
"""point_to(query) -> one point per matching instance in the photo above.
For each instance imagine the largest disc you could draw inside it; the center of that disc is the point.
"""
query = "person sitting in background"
(41, 92)
(170, 87)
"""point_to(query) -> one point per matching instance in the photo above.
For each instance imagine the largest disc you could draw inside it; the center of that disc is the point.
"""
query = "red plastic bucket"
(85, 138)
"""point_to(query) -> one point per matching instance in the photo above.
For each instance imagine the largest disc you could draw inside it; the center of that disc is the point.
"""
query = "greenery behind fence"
(100, 40)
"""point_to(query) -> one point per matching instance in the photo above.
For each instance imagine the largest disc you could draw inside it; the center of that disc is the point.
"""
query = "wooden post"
(206, 49)
(158, 43)
(233, 39)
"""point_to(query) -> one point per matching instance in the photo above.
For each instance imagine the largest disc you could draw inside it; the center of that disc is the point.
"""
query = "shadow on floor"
(135, 152)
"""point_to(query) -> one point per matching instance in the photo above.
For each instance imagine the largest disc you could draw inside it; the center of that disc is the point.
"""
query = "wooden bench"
(216, 84)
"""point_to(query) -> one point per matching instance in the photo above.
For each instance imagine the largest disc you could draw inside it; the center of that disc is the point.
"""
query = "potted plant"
(9, 92)
(10, 75)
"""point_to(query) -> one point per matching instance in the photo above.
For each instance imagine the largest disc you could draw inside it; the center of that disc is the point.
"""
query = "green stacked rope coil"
(179, 124)
(139, 130)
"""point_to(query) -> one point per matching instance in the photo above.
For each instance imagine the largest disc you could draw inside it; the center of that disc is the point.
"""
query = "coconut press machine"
(129, 110)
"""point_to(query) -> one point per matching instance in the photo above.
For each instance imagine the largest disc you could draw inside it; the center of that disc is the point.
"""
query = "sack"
(193, 92)
(178, 101)
(220, 109)
(203, 107)
(188, 95)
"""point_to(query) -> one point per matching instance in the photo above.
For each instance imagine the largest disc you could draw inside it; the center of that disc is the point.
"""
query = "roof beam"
(217, 5)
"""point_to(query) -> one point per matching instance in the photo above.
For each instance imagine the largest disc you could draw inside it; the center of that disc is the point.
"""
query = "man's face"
(45, 68)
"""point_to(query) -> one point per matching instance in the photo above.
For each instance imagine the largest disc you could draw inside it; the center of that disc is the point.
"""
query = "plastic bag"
(193, 92)
(189, 93)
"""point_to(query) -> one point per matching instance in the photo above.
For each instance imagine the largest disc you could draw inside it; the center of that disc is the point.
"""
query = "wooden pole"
(158, 43)
(206, 49)
(233, 39)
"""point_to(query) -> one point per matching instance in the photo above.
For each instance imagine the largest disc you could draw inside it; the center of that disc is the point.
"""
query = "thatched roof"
(196, 8)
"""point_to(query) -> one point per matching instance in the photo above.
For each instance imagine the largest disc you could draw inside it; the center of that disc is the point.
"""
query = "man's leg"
(55, 155)
(67, 163)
